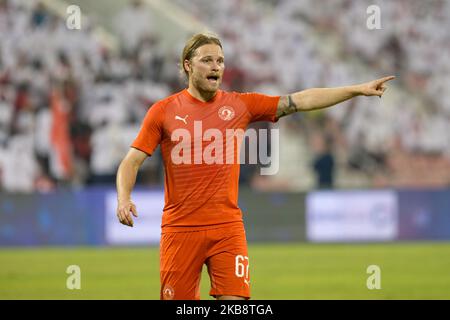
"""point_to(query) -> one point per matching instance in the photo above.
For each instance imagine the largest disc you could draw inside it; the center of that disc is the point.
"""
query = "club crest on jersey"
(226, 113)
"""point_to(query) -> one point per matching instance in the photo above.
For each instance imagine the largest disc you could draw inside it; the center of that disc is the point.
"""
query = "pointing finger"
(385, 79)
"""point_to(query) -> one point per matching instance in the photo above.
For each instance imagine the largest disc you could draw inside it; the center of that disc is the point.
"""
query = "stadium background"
(71, 101)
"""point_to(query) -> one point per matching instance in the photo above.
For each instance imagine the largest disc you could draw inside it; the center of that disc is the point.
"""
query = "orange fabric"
(224, 250)
(199, 196)
(59, 134)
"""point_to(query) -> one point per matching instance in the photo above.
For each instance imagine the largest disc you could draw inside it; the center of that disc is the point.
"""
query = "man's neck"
(203, 96)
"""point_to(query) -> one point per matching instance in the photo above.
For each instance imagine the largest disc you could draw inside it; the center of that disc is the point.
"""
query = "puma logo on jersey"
(182, 119)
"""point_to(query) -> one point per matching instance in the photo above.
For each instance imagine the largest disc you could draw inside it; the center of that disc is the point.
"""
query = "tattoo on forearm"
(286, 106)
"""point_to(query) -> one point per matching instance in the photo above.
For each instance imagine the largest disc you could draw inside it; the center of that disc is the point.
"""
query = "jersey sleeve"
(261, 107)
(150, 134)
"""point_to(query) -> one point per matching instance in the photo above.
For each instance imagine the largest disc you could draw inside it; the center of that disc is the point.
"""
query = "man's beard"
(203, 85)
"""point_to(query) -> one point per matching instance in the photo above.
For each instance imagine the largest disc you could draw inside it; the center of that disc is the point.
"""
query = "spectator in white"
(107, 118)
(108, 148)
(132, 24)
(6, 115)
(19, 168)
(42, 132)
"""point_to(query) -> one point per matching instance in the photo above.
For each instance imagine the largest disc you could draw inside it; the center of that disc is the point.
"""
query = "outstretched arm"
(125, 180)
(319, 98)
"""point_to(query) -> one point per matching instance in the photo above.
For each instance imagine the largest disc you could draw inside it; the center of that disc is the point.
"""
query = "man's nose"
(216, 66)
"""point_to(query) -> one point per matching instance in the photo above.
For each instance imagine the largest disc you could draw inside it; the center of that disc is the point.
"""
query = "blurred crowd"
(284, 46)
(70, 105)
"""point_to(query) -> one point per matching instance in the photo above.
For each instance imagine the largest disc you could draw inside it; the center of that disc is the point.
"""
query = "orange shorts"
(223, 250)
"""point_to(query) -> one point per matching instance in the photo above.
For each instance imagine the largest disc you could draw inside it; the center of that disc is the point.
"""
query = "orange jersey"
(201, 181)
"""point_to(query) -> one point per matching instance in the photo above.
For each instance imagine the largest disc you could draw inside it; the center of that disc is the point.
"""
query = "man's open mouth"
(213, 78)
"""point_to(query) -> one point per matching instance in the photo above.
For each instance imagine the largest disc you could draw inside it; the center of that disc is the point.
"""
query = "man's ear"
(187, 65)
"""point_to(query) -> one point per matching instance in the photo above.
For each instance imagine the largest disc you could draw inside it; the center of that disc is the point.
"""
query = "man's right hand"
(124, 211)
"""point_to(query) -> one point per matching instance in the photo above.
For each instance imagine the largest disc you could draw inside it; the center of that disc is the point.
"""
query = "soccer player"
(201, 220)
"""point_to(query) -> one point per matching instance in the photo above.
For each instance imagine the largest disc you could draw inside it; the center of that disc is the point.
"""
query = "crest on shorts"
(226, 113)
(168, 292)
